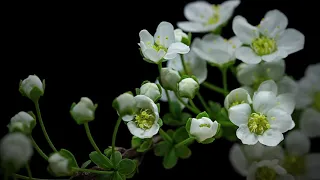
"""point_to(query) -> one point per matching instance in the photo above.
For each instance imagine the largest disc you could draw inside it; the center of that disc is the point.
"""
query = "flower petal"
(175, 49)
(274, 70)
(297, 143)
(146, 37)
(152, 131)
(194, 27)
(286, 102)
(273, 23)
(263, 101)
(238, 160)
(247, 55)
(310, 122)
(246, 136)
(268, 85)
(152, 55)
(271, 137)
(280, 120)
(199, 11)
(313, 165)
(275, 56)
(291, 41)
(238, 95)
(239, 114)
(287, 85)
(248, 73)
(164, 35)
(227, 9)
(313, 70)
(243, 30)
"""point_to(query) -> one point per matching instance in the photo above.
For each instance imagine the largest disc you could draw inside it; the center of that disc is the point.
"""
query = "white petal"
(268, 85)
(297, 143)
(275, 56)
(198, 66)
(239, 114)
(271, 137)
(286, 102)
(237, 95)
(175, 49)
(313, 70)
(291, 41)
(247, 55)
(238, 160)
(287, 85)
(235, 41)
(199, 11)
(194, 27)
(127, 118)
(280, 120)
(134, 129)
(227, 9)
(304, 96)
(260, 151)
(313, 165)
(243, 30)
(250, 90)
(310, 122)
(252, 171)
(248, 73)
(152, 131)
(152, 55)
(273, 23)
(263, 101)
(146, 37)
(246, 136)
(164, 35)
(274, 70)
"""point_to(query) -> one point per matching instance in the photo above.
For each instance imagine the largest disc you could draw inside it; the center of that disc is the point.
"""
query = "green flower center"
(295, 165)
(236, 103)
(214, 19)
(316, 103)
(205, 125)
(258, 123)
(265, 173)
(145, 119)
(264, 45)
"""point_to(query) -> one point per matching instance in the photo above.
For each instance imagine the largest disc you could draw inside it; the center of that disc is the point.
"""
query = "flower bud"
(236, 97)
(125, 104)
(32, 87)
(169, 78)
(203, 128)
(59, 165)
(152, 90)
(188, 88)
(181, 36)
(22, 122)
(15, 151)
(84, 111)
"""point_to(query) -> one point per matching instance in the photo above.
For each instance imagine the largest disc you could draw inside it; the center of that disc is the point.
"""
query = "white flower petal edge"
(310, 122)
(240, 114)
(246, 137)
(203, 132)
(243, 30)
(237, 96)
(175, 49)
(273, 23)
(238, 160)
(297, 143)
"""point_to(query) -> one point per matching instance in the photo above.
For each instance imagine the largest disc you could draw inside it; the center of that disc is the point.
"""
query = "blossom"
(268, 169)
(269, 41)
(162, 45)
(59, 165)
(32, 87)
(151, 90)
(84, 111)
(169, 78)
(23, 122)
(236, 97)
(205, 17)
(125, 104)
(180, 35)
(188, 88)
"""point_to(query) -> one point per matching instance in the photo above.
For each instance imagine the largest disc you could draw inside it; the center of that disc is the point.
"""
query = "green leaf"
(108, 151)
(135, 142)
(170, 159)
(215, 109)
(183, 152)
(165, 137)
(117, 157)
(100, 160)
(160, 122)
(70, 156)
(180, 134)
(184, 117)
(208, 141)
(188, 125)
(170, 120)
(127, 166)
(170, 132)
(104, 176)
(202, 114)
(162, 148)
(175, 109)
(85, 164)
(118, 176)
(146, 145)
(229, 133)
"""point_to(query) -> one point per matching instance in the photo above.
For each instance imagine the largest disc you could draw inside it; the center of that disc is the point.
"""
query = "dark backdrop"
(90, 49)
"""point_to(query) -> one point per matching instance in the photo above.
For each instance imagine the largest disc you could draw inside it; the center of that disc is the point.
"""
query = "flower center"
(295, 165)
(145, 119)
(316, 103)
(258, 123)
(214, 19)
(265, 173)
(205, 125)
(236, 103)
(264, 45)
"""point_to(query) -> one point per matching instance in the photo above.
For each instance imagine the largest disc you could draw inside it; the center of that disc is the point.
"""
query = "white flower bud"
(236, 97)
(84, 111)
(23, 122)
(125, 104)
(59, 165)
(152, 90)
(32, 87)
(179, 34)
(169, 78)
(188, 88)
(203, 129)
(15, 151)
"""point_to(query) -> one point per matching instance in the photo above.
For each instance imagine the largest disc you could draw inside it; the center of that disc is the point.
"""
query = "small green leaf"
(229, 133)
(175, 109)
(203, 114)
(180, 134)
(135, 142)
(188, 125)
(118, 176)
(215, 109)
(160, 122)
(127, 166)
(166, 136)
(117, 157)
(70, 156)
(170, 159)
(100, 160)
(208, 141)
(184, 117)
(170, 132)
(183, 152)
(85, 164)
(162, 148)
(146, 145)
(170, 120)
(108, 151)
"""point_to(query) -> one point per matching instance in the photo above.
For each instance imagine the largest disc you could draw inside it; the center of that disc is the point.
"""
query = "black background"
(90, 49)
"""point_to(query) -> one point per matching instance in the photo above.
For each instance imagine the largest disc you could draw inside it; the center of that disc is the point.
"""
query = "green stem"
(114, 136)
(184, 142)
(86, 126)
(35, 145)
(27, 178)
(91, 171)
(183, 64)
(224, 79)
(165, 135)
(187, 105)
(203, 102)
(29, 171)
(193, 105)
(36, 103)
(214, 88)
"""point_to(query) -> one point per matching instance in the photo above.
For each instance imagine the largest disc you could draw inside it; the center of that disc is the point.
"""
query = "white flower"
(309, 88)
(268, 169)
(188, 88)
(267, 120)
(215, 49)
(179, 35)
(205, 17)
(32, 87)
(151, 90)
(84, 111)
(145, 123)
(22, 122)
(310, 122)
(125, 104)
(194, 65)
(162, 45)
(298, 161)
(15, 151)
(269, 41)
(59, 165)
(169, 78)
(236, 97)
(203, 128)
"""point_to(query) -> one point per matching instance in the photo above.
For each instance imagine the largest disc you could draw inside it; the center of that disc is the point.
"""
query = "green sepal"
(136, 142)
(186, 41)
(160, 90)
(207, 141)
(126, 166)
(73, 105)
(33, 123)
(72, 160)
(145, 145)
(180, 135)
(137, 91)
(144, 82)
(100, 160)
(188, 125)
(162, 148)
(35, 94)
(158, 105)
(86, 164)
(116, 157)
(160, 122)
(202, 114)
(183, 152)
(170, 159)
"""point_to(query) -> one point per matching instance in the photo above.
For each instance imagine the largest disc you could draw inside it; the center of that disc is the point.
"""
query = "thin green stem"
(29, 171)
(214, 88)
(183, 63)
(165, 135)
(36, 103)
(91, 171)
(193, 105)
(35, 145)
(114, 137)
(86, 126)
(26, 178)
(203, 102)
(184, 142)
(224, 79)
(187, 105)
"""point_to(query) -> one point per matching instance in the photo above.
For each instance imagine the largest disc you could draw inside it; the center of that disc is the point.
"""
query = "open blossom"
(269, 41)
(215, 49)
(161, 46)
(205, 17)
(268, 169)
(203, 128)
